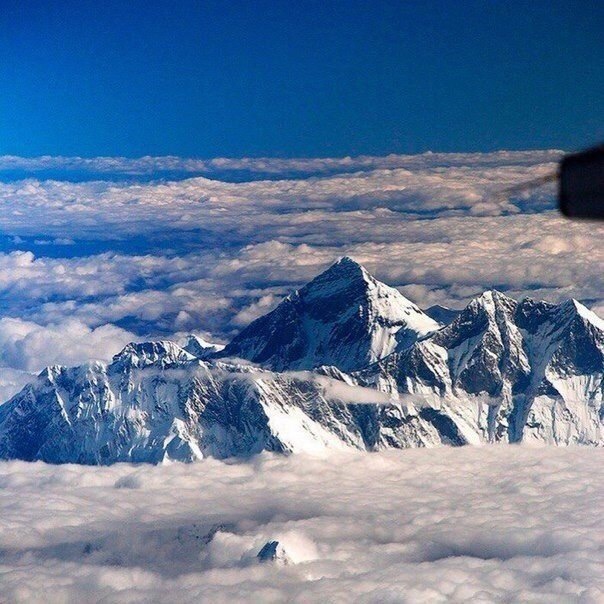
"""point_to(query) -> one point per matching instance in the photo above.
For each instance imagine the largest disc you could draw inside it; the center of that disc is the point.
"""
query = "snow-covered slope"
(155, 402)
(344, 317)
(504, 370)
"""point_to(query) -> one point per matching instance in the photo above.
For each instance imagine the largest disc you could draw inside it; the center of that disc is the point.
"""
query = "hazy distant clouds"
(152, 257)
(151, 166)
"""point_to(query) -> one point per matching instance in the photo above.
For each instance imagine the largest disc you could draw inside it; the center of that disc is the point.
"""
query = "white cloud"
(12, 380)
(156, 258)
(31, 347)
(111, 211)
(482, 524)
(262, 306)
(349, 393)
(91, 266)
(268, 165)
(27, 347)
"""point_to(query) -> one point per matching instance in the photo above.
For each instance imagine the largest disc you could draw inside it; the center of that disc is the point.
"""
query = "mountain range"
(344, 362)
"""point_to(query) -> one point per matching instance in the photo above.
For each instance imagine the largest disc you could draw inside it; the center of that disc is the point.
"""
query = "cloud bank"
(97, 252)
(482, 524)
(263, 166)
(152, 257)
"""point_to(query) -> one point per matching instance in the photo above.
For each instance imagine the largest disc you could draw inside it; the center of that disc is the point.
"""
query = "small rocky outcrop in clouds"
(274, 552)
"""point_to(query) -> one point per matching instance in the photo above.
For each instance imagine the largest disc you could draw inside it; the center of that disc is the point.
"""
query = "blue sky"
(283, 79)
(96, 252)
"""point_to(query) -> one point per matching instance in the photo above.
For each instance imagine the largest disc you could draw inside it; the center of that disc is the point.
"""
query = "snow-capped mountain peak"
(586, 314)
(538, 368)
(200, 348)
(160, 353)
(343, 317)
(491, 300)
(344, 274)
(344, 268)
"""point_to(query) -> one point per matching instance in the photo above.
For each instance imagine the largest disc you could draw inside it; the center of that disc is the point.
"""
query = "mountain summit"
(537, 368)
(343, 317)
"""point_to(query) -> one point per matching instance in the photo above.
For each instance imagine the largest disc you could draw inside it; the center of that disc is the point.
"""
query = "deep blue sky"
(298, 78)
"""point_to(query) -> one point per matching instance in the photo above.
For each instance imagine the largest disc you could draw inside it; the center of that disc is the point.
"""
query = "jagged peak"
(51, 372)
(200, 347)
(495, 295)
(490, 300)
(585, 313)
(345, 269)
(139, 354)
(487, 306)
(533, 302)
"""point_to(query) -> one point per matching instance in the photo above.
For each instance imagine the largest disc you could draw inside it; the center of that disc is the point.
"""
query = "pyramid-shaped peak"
(345, 267)
(575, 307)
(344, 275)
(347, 261)
(343, 317)
(495, 295)
(492, 298)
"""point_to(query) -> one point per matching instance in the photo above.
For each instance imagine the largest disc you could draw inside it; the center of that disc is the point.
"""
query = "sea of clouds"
(490, 524)
(97, 252)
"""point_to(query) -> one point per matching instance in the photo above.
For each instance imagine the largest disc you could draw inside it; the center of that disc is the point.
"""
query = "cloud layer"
(262, 166)
(481, 524)
(161, 257)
